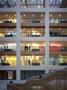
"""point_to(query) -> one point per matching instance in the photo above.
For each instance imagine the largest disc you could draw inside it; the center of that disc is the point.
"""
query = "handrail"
(45, 75)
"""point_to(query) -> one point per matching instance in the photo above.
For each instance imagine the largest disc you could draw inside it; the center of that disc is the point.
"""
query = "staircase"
(56, 80)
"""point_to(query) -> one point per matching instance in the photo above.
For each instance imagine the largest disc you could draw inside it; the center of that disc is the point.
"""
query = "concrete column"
(18, 28)
(47, 34)
(17, 74)
(47, 53)
(18, 51)
(47, 3)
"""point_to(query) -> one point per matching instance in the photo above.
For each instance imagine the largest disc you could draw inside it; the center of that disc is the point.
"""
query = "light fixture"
(24, 15)
(15, 15)
(51, 0)
(59, 29)
(38, 6)
(24, 6)
(50, 15)
(6, 15)
(60, 1)
(33, 15)
(60, 15)
(42, 15)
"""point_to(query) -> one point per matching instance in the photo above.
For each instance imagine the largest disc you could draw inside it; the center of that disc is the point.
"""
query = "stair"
(56, 80)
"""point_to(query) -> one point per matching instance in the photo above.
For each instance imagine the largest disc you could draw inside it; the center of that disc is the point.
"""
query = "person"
(29, 62)
(40, 76)
(0, 60)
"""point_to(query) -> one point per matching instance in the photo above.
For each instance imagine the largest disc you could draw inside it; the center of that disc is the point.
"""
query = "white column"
(47, 3)
(18, 28)
(17, 74)
(47, 34)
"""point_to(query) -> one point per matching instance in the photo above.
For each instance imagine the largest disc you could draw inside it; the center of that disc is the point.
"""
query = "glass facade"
(58, 53)
(58, 3)
(7, 75)
(26, 74)
(33, 52)
(33, 37)
(33, 3)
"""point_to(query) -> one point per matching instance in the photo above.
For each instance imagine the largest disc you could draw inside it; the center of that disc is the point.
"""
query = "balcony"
(58, 3)
(7, 3)
(33, 3)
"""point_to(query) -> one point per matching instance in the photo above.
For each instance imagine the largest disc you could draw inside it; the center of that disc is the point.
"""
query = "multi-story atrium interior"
(33, 38)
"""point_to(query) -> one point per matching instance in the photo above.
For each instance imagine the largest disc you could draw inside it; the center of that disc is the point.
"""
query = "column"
(17, 74)
(18, 28)
(47, 33)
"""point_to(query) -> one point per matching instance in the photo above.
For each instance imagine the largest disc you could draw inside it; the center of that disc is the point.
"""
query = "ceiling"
(33, 15)
(60, 15)
(5, 15)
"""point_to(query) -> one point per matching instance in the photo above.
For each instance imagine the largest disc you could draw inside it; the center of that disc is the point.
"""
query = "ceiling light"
(60, 1)
(24, 6)
(50, 15)
(59, 15)
(51, 0)
(42, 0)
(15, 15)
(38, 6)
(32, 0)
(33, 15)
(6, 15)
(24, 15)
(59, 29)
(42, 15)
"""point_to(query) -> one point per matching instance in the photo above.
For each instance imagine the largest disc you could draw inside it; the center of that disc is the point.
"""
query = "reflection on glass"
(33, 48)
(33, 3)
(32, 18)
(33, 32)
(6, 33)
(7, 18)
(34, 53)
(7, 75)
(58, 32)
(8, 54)
(32, 60)
(58, 3)
(58, 53)
(57, 17)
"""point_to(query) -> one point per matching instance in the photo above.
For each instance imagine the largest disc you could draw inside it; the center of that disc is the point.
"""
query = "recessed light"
(63, 31)
(50, 15)
(60, 0)
(6, 15)
(15, 15)
(33, 0)
(33, 15)
(51, 0)
(24, 6)
(42, 15)
(59, 29)
(42, 0)
(38, 6)
(60, 15)
(24, 15)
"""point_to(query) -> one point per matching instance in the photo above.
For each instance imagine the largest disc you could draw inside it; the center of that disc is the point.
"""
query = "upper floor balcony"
(58, 3)
(7, 3)
(33, 3)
